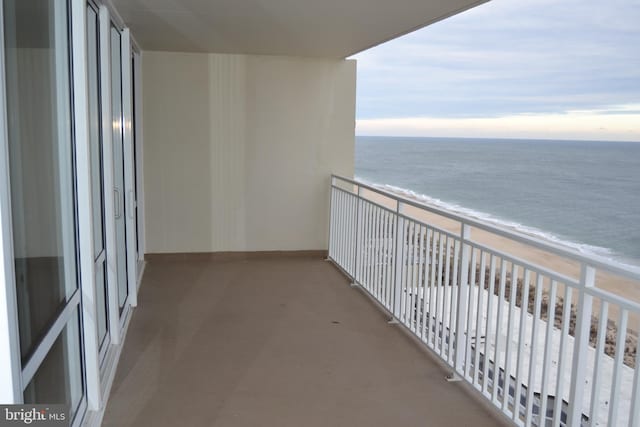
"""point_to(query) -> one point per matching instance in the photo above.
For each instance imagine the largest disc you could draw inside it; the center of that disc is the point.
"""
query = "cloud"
(619, 123)
(508, 58)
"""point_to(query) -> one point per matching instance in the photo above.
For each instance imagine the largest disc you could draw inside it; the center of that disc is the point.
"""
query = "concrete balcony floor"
(278, 341)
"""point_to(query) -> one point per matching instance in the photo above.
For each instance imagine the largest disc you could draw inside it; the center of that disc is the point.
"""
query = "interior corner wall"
(239, 149)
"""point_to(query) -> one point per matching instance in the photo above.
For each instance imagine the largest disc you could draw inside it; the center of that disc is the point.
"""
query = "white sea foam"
(584, 248)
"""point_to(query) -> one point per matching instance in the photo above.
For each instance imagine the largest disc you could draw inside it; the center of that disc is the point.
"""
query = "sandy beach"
(626, 288)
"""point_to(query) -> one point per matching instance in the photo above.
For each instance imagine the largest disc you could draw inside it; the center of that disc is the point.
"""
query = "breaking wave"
(583, 248)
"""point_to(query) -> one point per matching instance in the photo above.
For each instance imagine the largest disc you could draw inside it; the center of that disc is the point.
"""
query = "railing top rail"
(629, 272)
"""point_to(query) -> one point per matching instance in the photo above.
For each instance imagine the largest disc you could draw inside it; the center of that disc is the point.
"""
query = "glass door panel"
(58, 380)
(97, 173)
(136, 161)
(118, 165)
(41, 162)
(134, 140)
(41, 170)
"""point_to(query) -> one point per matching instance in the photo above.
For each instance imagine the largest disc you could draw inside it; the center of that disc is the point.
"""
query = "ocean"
(584, 194)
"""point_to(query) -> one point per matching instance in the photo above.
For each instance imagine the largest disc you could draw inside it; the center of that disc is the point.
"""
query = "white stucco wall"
(238, 149)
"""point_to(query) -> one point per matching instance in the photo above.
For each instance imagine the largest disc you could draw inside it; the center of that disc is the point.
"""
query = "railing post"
(357, 261)
(635, 394)
(398, 264)
(583, 328)
(331, 218)
(463, 287)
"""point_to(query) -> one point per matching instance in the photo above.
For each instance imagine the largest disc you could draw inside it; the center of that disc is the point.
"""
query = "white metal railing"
(499, 320)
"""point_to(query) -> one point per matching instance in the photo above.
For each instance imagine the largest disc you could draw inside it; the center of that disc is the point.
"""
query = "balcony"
(371, 338)
(546, 334)
(216, 134)
(278, 340)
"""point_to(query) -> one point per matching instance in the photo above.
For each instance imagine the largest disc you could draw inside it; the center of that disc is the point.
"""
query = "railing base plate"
(453, 377)
(393, 321)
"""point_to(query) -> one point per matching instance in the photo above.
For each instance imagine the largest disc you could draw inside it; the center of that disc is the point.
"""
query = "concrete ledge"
(233, 256)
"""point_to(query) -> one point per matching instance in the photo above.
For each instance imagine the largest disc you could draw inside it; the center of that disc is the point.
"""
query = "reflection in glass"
(101, 304)
(58, 380)
(41, 162)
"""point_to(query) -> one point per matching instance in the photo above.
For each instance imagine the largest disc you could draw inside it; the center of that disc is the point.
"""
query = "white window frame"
(107, 158)
(84, 203)
(98, 367)
(12, 387)
(139, 146)
(129, 174)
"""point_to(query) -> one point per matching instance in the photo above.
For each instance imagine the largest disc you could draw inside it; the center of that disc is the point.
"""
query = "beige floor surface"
(281, 342)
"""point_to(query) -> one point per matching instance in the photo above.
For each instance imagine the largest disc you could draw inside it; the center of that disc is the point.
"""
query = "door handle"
(132, 205)
(118, 214)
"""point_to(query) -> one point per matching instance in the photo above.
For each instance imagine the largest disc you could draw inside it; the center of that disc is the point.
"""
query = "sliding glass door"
(41, 163)
(119, 166)
(135, 57)
(97, 181)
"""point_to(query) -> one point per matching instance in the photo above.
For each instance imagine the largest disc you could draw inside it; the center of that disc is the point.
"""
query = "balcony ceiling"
(316, 28)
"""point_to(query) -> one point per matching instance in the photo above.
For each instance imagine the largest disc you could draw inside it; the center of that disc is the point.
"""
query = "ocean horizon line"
(484, 138)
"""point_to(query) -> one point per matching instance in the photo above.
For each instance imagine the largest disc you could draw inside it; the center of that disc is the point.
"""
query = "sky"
(552, 69)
